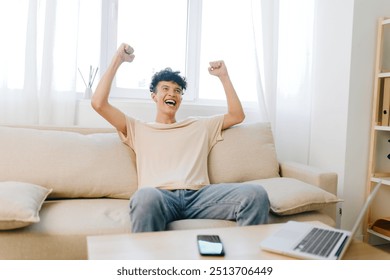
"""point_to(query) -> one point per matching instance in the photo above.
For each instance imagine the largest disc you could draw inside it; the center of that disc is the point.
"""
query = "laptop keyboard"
(319, 242)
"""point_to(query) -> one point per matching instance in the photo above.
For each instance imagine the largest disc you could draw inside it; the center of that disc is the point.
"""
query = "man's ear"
(153, 96)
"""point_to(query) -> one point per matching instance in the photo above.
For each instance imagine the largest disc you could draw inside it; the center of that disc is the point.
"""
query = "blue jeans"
(151, 209)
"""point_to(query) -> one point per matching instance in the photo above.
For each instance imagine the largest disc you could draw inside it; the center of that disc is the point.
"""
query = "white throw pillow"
(20, 204)
(290, 196)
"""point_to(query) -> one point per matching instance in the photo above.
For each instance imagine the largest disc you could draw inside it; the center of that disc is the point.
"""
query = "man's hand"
(99, 101)
(125, 52)
(218, 68)
(235, 113)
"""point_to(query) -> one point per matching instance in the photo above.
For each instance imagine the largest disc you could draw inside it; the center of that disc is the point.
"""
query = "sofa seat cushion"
(272, 219)
(290, 196)
(302, 217)
(100, 216)
(246, 153)
(74, 165)
(83, 217)
(20, 204)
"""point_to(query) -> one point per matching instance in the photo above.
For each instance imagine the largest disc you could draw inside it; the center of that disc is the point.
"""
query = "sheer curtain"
(38, 65)
(283, 32)
(294, 79)
(265, 34)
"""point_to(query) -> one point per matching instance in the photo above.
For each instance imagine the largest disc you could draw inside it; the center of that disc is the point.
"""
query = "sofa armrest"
(314, 176)
(311, 175)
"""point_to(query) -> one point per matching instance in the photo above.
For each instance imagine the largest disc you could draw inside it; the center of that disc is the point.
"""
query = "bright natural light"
(161, 42)
(296, 32)
(160, 36)
(12, 66)
(157, 31)
(227, 34)
(88, 53)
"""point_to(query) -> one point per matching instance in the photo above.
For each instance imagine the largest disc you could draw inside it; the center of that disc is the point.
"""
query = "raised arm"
(100, 98)
(235, 114)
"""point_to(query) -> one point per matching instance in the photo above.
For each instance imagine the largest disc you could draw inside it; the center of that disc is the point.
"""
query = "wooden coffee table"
(241, 243)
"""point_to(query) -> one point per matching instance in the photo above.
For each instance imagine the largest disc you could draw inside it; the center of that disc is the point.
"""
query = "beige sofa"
(59, 185)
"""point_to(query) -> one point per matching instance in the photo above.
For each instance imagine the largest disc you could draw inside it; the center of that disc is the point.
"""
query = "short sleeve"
(130, 128)
(214, 127)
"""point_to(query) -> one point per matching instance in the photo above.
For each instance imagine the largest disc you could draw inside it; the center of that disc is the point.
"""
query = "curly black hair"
(168, 75)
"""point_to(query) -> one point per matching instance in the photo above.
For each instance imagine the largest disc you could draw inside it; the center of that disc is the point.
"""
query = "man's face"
(168, 96)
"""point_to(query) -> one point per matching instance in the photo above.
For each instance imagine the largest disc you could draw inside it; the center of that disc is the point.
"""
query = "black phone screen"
(210, 245)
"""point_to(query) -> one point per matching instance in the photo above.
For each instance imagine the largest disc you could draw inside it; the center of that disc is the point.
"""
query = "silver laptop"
(307, 241)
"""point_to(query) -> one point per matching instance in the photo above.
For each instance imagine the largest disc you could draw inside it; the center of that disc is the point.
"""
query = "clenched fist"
(218, 68)
(126, 52)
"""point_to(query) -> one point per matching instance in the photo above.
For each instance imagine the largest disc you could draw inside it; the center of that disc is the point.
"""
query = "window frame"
(192, 63)
(109, 46)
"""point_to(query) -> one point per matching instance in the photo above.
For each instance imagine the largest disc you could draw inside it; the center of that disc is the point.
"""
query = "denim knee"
(145, 198)
(255, 193)
(146, 210)
(256, 205)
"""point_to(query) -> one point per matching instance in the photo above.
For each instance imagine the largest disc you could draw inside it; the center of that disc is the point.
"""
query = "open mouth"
(170, 102)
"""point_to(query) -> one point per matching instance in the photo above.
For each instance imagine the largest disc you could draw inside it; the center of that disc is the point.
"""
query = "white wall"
(331, 75)
(343, 88)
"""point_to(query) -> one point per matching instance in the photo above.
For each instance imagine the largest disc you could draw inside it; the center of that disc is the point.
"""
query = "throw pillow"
(20, 204)
(290, 196)
(247, 152)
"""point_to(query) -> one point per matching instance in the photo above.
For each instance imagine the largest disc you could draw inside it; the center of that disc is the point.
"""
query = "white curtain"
(283, 32)
(265, 32)
(38, 56)
(294, 80)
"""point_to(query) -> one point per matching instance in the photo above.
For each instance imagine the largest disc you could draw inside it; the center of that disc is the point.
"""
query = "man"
(172, 156)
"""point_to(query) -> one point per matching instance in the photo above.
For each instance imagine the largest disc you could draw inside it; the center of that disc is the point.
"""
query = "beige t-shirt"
(173, 156)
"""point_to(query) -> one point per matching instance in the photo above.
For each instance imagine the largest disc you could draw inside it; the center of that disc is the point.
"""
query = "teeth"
(170, 102)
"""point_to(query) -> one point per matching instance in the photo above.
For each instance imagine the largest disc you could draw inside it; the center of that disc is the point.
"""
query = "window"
(157, 32)
(89, 41)
(184, 35)
(227, 34)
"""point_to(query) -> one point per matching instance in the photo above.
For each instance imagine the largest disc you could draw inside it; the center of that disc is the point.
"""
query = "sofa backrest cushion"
(70, 163)
(246, 153)
(92, 162)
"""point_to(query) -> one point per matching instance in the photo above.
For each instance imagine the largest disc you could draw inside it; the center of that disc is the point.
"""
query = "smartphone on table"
(210, 245)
